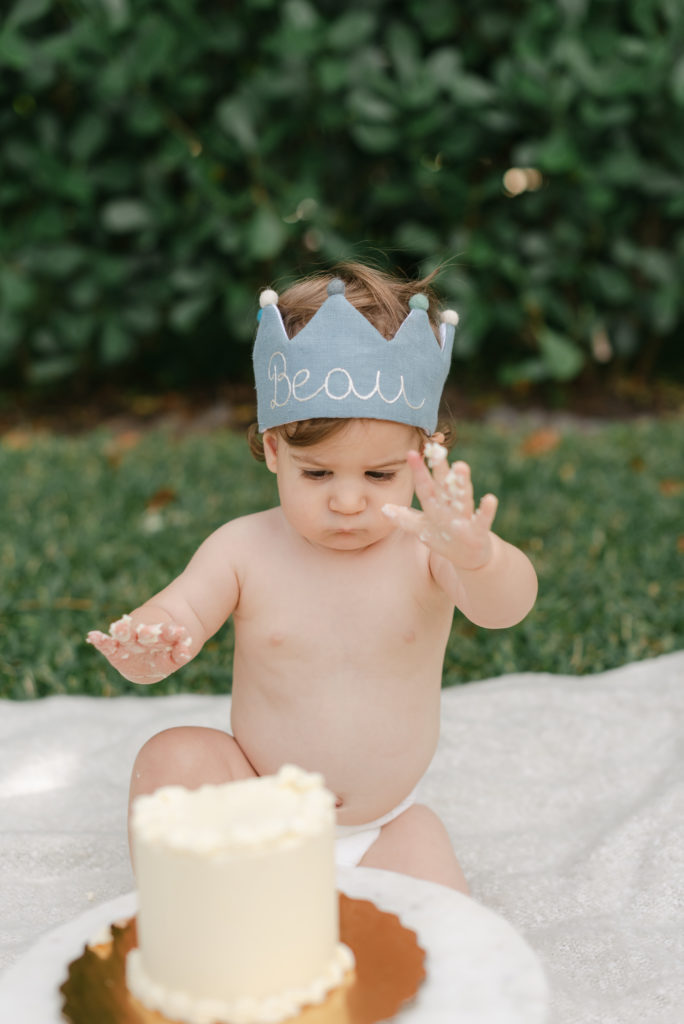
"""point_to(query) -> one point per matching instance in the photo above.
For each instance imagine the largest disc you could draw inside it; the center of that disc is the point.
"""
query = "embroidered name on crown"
(337, 384)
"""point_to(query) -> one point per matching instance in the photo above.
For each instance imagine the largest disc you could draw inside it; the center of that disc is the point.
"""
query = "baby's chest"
(369, 616)
(346, 615)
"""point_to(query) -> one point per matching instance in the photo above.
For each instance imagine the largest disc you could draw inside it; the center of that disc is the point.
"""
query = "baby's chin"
(349, 540)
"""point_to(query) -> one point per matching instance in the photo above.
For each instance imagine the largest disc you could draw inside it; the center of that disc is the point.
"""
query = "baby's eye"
(314, 474)
(374, 474)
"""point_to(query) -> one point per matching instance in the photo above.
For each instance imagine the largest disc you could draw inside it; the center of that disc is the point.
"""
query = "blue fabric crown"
(340, 366)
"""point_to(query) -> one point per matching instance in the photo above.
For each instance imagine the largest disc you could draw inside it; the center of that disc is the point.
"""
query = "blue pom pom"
(336, 287)
(419, 302)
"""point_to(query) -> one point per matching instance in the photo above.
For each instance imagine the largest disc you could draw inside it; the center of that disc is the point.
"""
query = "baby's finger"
(422, 479)
(487, 510)
(122, 629)
(148, 635)
(440, 473)
(180, 654)
(458, 493)
(460, 488)
(409, 519)
(102, 642)
(435, 455)
(174, 634)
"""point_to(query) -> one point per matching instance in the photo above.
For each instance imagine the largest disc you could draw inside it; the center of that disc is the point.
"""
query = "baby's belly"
(372, 753)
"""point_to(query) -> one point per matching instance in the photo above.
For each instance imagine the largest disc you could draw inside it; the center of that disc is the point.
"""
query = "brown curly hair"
(381, 297)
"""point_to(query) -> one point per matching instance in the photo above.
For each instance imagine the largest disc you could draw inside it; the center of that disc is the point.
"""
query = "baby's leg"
(188, 756)
(416, 843)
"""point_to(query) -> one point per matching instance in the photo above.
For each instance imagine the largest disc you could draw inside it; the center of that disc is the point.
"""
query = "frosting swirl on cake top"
(270, 811)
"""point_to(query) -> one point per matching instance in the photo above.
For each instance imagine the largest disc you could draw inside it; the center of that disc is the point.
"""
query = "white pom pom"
(268, 298)
(450, 316)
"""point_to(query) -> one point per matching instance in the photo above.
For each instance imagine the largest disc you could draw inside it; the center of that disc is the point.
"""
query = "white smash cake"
(238, 912)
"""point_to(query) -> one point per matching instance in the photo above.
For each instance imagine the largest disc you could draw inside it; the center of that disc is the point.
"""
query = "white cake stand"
(479, 970)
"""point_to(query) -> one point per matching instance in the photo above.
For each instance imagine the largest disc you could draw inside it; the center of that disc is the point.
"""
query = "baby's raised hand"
(142, 653)
(449, 523)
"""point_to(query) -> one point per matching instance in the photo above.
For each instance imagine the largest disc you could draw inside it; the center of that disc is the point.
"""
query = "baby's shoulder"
(246, 530)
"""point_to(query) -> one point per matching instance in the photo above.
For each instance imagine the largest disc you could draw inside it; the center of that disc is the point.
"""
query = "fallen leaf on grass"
(162, 497)
(669, 487)
(121, 443)
(17, 440)
(541, 441)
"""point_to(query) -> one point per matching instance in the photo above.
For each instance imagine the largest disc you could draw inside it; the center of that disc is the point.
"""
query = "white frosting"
(217, 819)
(455, 485)
(179, 1006)
(434, 453)
(238, 910)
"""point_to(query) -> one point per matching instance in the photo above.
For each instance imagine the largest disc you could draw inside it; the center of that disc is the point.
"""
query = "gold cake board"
(390, 967)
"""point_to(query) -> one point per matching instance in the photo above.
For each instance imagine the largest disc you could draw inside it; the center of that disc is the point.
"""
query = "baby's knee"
(170, 747)
(184, 755)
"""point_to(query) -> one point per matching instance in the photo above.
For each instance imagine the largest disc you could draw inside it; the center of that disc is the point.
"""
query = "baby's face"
(332, 492)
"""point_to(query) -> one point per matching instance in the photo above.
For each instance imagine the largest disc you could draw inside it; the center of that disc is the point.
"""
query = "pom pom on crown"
(449, 316)
(268, 298)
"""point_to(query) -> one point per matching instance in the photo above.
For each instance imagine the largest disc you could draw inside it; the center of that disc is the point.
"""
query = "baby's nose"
(348, 499)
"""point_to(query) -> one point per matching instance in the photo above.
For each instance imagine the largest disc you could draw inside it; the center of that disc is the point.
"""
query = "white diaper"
(353, 841)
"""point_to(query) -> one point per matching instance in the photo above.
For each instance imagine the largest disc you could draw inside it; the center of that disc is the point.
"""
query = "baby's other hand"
(449, 524)
(143, 653)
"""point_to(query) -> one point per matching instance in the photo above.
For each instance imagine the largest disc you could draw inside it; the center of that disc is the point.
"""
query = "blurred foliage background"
(161, 162)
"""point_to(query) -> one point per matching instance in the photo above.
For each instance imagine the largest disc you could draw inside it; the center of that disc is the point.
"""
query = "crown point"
(336, 286)
(419, 301)
(268, 298)
(450, 316)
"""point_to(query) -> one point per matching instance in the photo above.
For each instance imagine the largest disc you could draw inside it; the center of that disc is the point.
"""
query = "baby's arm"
(172, 627)
(491, 581)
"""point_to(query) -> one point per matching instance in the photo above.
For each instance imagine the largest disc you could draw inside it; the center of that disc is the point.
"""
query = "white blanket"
(564, 797)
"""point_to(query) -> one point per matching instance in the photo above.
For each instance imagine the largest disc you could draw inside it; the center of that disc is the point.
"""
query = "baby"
(343, 595)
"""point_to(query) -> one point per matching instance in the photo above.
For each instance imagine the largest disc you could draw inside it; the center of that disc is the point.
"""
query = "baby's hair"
(381, 297)
(304, 433)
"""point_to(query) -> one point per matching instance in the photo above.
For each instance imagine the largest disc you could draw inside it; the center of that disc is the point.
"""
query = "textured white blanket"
(564, 797)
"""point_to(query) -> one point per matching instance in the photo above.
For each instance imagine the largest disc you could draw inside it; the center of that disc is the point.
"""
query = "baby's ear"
(270, 441)
(436, 438)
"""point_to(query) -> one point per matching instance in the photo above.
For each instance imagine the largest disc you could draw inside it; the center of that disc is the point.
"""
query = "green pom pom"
(419, 302)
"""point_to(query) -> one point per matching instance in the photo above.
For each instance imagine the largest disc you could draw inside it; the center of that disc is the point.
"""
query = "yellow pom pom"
(268, 298)
(450, 316)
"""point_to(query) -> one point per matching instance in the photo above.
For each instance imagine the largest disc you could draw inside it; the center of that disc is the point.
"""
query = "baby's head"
(356, 344)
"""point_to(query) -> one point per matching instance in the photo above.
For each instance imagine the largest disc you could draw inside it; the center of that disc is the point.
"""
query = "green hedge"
(162, 162)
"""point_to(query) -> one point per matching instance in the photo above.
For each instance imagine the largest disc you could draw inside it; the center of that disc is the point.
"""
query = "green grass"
(92, 525)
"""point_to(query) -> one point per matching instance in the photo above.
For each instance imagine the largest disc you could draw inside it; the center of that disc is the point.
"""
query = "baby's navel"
(410, 636)
(276, 639)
